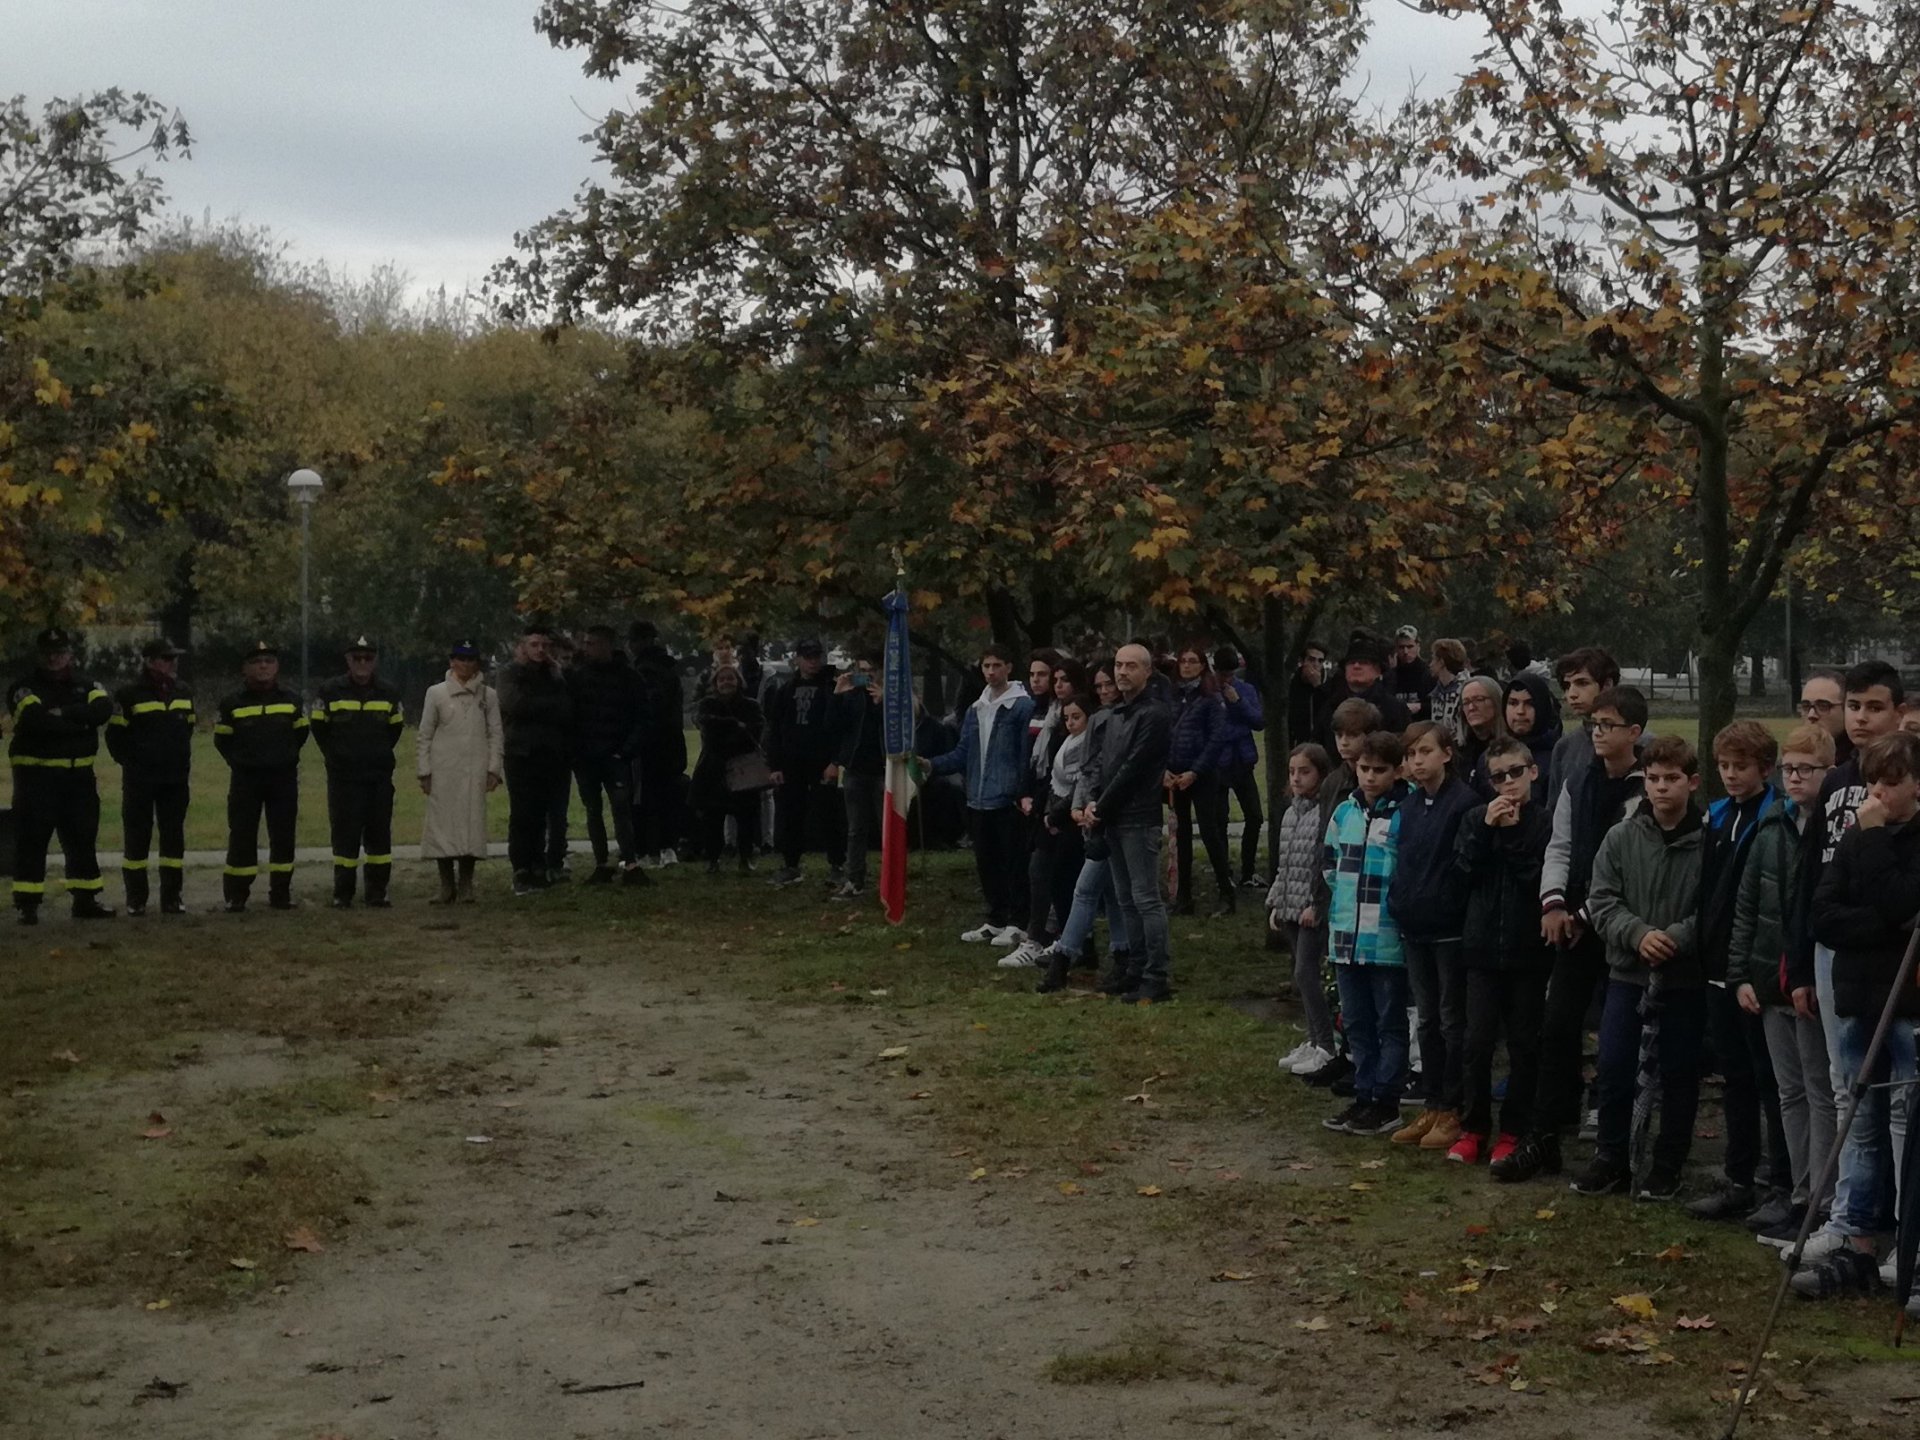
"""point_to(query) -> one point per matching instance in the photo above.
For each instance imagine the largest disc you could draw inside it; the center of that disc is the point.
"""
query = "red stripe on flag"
(893, 839)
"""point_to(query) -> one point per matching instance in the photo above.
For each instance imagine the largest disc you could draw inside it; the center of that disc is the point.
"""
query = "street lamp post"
(305, 487)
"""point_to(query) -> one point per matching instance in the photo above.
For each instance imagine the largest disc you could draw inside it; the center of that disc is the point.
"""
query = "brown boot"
(445, 897)
(1444, 1131)
(466, 880)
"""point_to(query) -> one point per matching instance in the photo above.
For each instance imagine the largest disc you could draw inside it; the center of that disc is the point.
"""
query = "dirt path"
(734, 1203)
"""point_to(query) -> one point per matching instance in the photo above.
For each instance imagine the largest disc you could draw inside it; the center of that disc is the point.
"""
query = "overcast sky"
(421, 133)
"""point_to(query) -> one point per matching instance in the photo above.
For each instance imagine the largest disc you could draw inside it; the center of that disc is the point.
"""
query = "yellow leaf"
(1465, 1287)
(1148, 1190)
(1638, 1305)
(979, 1174)
(159, 1304)
(1543, 1214)
(1360, 1185)
(1318, 1322)
(1071, 1187)
(1196, 356)
(893, 1052)
(806, 1222)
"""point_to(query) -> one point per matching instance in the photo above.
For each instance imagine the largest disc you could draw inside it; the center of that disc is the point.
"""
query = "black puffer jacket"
(608, 709)
(536, 711)
(663, 743)
(1864, 909)
(1425, 896)
(1501, 867)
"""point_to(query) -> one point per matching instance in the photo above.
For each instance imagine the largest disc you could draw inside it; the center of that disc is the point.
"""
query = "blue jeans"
(1133, 853)
(1874, 1143)
(1092, 893)
(1683, 1026)
(1373, 1006)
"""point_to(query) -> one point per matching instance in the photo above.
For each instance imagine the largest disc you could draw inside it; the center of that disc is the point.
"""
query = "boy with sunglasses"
(1595, 799)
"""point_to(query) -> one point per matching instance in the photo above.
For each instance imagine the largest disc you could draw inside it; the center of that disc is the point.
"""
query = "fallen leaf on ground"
(303, 1238)
(1543, 1214)
(1233, 1275)
(66, 1056)
(1547, 1307)
(1300, 1165)
(1360, 1185)
(876, 992)
(1141, 1099)
(1676, 1251)
(806, 1222)
(240, 1263)
(1371, 1165)
(978, 1174)
(956, 1154)
(159, 1304)
(1695, 1322)
(1089, 1167)
(1148, 1190)
(1628, 1339)
(1465, 1287)
(893, 1052)
(1318, 1322)
(1638, 1305)
(1787, 1390)
(1474, 1232)
(1071, 1187)
(156, 1132)
(921, 1095)
(1016, 1172)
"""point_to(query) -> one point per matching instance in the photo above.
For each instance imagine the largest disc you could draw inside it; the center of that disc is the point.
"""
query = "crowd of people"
(1465, 865)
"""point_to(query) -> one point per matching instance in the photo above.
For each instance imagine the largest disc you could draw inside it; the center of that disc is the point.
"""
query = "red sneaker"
(1466, 1150)
(1505, 1146)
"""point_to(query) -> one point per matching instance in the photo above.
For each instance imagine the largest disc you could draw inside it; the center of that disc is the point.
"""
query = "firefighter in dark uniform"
(259, 732)
(356, 724)
(151, 737)
(57, 715)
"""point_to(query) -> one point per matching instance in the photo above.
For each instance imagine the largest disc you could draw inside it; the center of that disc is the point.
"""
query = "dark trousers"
(863, 795)
(1509, 1004)
(143, 805)
(660, 818)
(603, 775)
(535, 783)
(1206, 801)
(717, 803)
(1053, 869)
(360, 816)
(1438, 979)
(50, 801)
(1750, 1095)
(1683, 1026)
(803, 796)
(1240, 782)
(1577, 972)
(999, 858)
(250, 793)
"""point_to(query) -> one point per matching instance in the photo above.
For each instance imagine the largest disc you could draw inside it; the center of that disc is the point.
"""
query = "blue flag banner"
(897, 691)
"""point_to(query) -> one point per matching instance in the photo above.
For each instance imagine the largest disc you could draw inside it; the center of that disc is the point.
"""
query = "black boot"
(447, 891)
(27, 914)
(1229, 904)
(234, 890)
(466, 879)
(379, 877)
(172, 890)
(280, 890)
(1059, 962)
(345, 878)
(134, 882)
(87, 906)
(602, 875)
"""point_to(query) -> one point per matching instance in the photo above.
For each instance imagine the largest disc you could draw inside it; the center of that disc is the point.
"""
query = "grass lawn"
(1476, 1288)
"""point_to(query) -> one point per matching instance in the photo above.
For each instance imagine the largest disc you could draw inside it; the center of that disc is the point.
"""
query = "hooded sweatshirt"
(992, 754)
(1541, 740)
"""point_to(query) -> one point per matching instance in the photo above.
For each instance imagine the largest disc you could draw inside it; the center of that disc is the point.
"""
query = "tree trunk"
(1004, 616)
(1757, 681)
(1719, 692)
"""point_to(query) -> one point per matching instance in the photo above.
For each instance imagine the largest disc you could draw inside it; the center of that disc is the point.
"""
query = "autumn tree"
(1684, 256)
(72, 177)
(828, 209)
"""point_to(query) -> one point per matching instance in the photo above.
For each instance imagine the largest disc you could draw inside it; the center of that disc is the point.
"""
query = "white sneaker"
(980, 936)
(1820, 1244)
(1294, 1056)
(1024, 956)
(1012, 935)
(1890, 1272)
(1313, 1062)
(668, 857)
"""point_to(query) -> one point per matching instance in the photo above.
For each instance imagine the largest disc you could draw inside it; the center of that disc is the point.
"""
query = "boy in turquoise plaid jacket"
(1361, 846)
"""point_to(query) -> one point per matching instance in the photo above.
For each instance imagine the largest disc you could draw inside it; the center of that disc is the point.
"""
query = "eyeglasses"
(1607, 727)
(1819, 707)
(1501, 777)
(1802, 772)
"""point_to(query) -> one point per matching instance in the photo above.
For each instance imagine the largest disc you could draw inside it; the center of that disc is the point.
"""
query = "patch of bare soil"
(601, 1205)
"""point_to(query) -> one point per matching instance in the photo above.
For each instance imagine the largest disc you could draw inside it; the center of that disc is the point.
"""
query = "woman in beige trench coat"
(458, 759)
